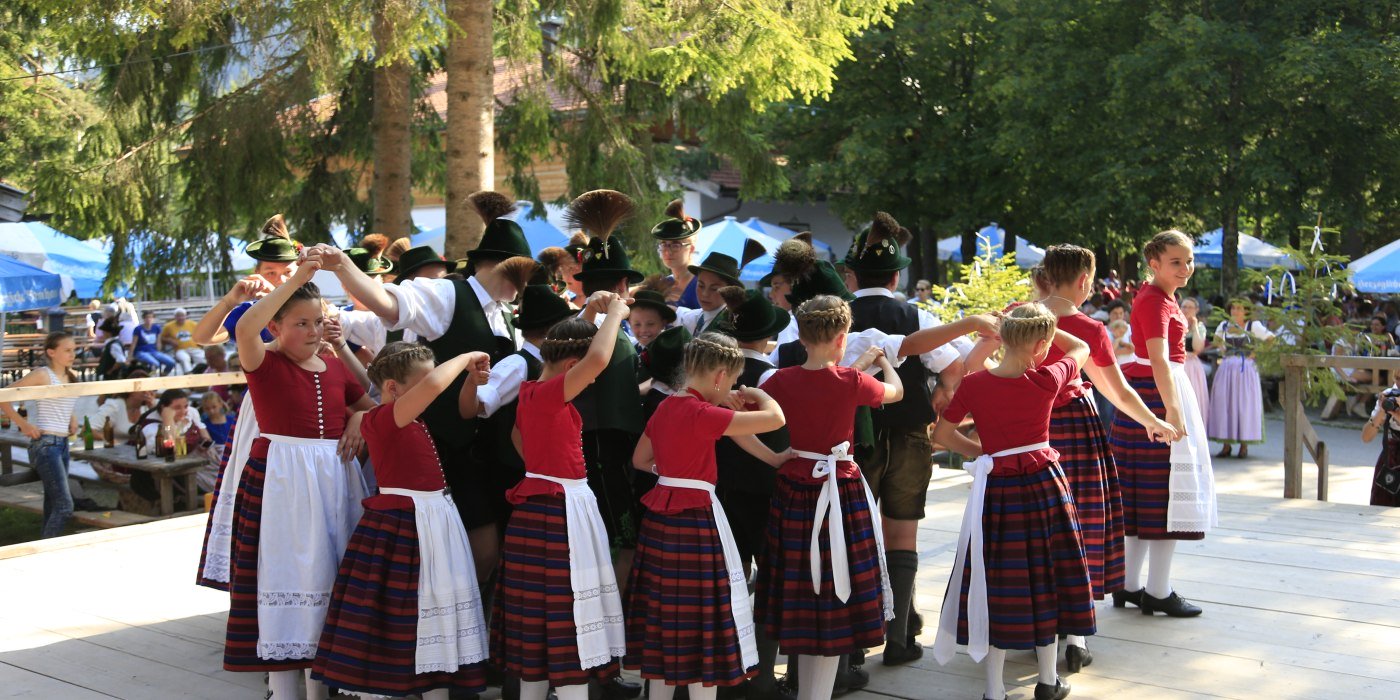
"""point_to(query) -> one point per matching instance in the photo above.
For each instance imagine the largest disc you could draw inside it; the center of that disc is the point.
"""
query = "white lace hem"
(293, 599)
(283, 651)
(596, 592)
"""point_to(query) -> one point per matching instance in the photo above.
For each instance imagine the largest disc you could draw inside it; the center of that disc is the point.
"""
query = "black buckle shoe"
(899, 655)
(1172, 605)
(1076, 658)
(619, 688)
(850, 678)
(1122, 598)
(1045, 691)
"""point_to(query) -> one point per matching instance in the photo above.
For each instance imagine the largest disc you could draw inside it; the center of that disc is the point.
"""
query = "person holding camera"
(1385, 487)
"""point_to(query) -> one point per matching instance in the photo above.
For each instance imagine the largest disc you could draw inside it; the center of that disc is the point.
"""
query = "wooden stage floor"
(1302, 600)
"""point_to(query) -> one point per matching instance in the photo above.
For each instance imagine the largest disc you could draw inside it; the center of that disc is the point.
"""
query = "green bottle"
(87, 433)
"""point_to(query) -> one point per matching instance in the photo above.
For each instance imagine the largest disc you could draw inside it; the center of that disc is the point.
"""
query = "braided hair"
(567, 340)
(1027, 324)
(709, 352)
(396, 360)
(822, 318)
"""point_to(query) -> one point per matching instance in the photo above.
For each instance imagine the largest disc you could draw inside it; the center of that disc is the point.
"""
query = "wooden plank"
(1292, 410)
(119, 386)
(23, 683)
(1340, 362)
(34, 503)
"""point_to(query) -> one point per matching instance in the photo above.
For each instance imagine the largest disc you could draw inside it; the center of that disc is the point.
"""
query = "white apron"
(1191, 494)
(451, 626)
(829, 509)
(970, 540)
(220, 545)
(740, 605)
(597, 604)
(311, 504)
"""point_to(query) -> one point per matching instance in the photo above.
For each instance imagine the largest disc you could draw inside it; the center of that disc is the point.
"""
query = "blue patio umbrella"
(1252, 253)
(993, 236)
(783, 233)
(1378, 272)
(25, 287)
(540, 233)
(39, 245)
(728, 236)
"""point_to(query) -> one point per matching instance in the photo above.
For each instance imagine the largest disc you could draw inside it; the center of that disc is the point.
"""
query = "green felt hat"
(274, 249)
(651, 299)
(666, 354)
(823, 279)
(676, 226)
(877, 248)
(414, 258)
(541, 307)
(756, 318)
(367, 263)
(607, 259)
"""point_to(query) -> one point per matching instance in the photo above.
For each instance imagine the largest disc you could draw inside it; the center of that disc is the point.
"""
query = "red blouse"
(1101, 354)
(683, 432)
(551, 433)
(403, 458)
(820, 407)
(1012, 412)
(297, 402)
(1156, 315)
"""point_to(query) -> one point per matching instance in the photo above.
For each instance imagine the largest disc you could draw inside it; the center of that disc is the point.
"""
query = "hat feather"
(733, 297)
(578, 240)
(796, 257)
(517, 270)
(655, 283)
(883, 228)
(397, 248)
(676, 209)
(276, 227)
(491, 205)
(599, 213)
(375, 243)
(753, 250)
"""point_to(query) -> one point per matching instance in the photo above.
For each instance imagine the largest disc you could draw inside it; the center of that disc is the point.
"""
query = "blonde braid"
(822, 318)
(713, 351)
(395, 360)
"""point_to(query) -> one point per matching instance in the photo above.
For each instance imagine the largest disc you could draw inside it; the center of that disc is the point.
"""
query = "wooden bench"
(165, 473)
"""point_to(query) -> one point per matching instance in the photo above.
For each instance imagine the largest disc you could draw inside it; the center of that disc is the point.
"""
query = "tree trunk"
(470, 119)
(971, 247)
(1229, 251)
(391, 123)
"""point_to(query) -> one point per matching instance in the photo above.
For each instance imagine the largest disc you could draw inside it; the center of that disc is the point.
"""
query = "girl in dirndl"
(298, 496)
(1065, 279)
(1196, 344)
(1236, 397)
(1168, 489)
(689, 617)
(558, 615)
(823, 590)
(1020, 575)
(405, 616)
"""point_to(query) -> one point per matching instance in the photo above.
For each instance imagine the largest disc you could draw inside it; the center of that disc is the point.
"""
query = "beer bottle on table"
(167, 443)
(109, 438)
(87, 433)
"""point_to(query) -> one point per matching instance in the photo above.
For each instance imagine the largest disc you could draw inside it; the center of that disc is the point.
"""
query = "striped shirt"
(53, 415)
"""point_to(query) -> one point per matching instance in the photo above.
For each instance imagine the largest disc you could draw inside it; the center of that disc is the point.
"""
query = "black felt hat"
(755, 317)
(368, 263)
(676, 226)
(612, 261)
(503, 238)
(877, 248)
(541, 308)
(666, 355)
(824, 279)
(650, 299)
(414, 258)
(720, 264)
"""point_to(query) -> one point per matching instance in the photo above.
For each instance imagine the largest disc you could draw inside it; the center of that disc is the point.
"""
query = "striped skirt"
(1144, 470)
(241, 639)
(680, 627)
(200, 578)
(1236, 403)
(1037, 580)
(532, 629)
(1077, 434)
(371, 633)
(800, 620)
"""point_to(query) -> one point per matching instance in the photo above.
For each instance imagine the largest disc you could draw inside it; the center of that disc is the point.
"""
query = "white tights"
(816, 676)
(1157, 554)
(538, 690)
(658, 690)
(995, 668)
(284, 685)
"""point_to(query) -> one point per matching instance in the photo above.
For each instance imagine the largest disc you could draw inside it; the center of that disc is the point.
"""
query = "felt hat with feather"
(796, 260)
(751, 315)
(878, 247)
(368, 262)
(503, 238)
(276, 244)
(417, 257)
(599, 213)
(676, 226)
(726, 266)
(540, 308)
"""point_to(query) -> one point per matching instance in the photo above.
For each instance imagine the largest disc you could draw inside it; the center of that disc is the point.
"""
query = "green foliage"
(985, 285)
(1305, 314)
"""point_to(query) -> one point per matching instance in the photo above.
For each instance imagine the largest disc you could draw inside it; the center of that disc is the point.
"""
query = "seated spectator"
(174, 414)
(123, 410)
(112, 360)
(216, 361)
(178, 338)
(145, 345)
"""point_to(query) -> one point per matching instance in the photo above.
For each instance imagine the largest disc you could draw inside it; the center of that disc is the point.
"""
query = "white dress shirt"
(691, 318)
(503, 386)
(788, 334)
(364, 329)
(759, 356)
(937, 359)
(426, 307)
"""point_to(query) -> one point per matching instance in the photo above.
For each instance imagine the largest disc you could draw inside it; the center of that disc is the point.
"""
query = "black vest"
(468, 332)
(739, 470)
(612, 401)
(897, 318)
(502, 422)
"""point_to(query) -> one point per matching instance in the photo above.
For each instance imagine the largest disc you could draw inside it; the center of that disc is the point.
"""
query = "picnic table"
(165, 473)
